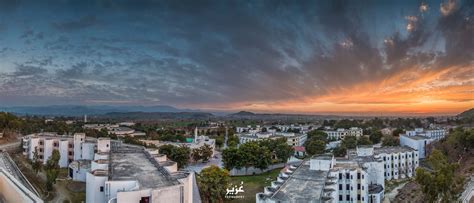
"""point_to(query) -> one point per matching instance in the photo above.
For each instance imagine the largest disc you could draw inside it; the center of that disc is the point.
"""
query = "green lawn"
(253, 184)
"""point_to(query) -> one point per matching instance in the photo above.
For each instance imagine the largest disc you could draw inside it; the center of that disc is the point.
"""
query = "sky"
(322, 56)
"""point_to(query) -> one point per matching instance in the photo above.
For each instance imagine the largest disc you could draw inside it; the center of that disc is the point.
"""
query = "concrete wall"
(103, 145)
(79, 138)
(63, 152)
(93, 193)
(48, 149)
(168, 194)
(88, 151)
(113, 188)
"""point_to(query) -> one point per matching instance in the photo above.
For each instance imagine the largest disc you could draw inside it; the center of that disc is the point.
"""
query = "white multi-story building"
(396, 162)
(134, 174)
(340, 133)
(419, 138)
(292, 139)
(322, 179)
(70, 147)
(357, 178)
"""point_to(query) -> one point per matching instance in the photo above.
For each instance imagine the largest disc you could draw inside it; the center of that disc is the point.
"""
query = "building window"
(362, 187)
(340, 186)
(358, 197)
(348, 197)
(107, 145)
(347, 187)
(347, 175)
(384, 159)
(362, 176)
(358, 175)
(351, 177)
(340, 176)
(358, 187)
(101, 188)
(41, 150)
(340, 197)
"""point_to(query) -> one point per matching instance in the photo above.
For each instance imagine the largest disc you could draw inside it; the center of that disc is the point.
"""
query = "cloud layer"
(309, 56)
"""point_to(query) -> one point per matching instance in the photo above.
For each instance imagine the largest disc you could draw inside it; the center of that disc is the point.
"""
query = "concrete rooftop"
(135, 165)
(304, 185)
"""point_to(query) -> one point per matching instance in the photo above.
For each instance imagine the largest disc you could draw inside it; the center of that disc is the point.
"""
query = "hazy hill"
(76, 110)
(156, 115)
(467, 114)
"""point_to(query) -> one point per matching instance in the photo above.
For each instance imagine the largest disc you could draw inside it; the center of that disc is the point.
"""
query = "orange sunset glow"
(414, 91)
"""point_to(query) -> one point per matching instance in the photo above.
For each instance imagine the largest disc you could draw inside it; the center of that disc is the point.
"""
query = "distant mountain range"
(76, 110)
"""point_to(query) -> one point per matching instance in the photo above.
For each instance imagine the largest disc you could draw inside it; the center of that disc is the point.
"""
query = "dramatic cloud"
(305, 56)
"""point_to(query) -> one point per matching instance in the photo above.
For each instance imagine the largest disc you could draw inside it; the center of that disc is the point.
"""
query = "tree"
(442, 183)
(279, 148)
(52, 169)
(232, 158)
(219, 141)
(318, 135)
(363, 140)
(397, 132)
(313, 146)
(390, 141)
(166, 149)
(196, 154)
(202, 153)
(179, 154)
(213, 182)
(283, 151)
(36, 162)
(375, 136)
(349, 142)
(232, 141)
(340, 151)
(206, 152)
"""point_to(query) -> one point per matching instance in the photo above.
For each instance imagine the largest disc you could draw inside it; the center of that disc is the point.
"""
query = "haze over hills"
(76, 110)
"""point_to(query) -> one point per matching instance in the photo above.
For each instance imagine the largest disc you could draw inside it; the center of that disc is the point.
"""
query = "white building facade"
(340, 133)
(418, 139)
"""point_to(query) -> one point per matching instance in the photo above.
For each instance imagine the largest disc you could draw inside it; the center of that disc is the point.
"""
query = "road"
(197, 167)
(390, 196)
(226, 137)
(10, 145)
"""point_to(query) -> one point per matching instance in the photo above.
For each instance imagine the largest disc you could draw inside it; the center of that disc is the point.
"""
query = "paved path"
(389, 197)
(10, 145)
(197, 167)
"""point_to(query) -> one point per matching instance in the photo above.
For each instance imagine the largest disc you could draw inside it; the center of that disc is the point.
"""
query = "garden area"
(253, 184)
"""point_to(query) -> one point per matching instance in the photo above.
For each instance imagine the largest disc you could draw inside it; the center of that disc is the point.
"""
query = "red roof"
(299, 148)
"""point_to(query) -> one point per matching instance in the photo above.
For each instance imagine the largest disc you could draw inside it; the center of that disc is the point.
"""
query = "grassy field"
(253, 184)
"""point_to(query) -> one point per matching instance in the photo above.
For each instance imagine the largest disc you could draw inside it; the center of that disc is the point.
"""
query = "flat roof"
(323, 157)
(135, 165)
(304, 185)
(394, 149)
(416, 137)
